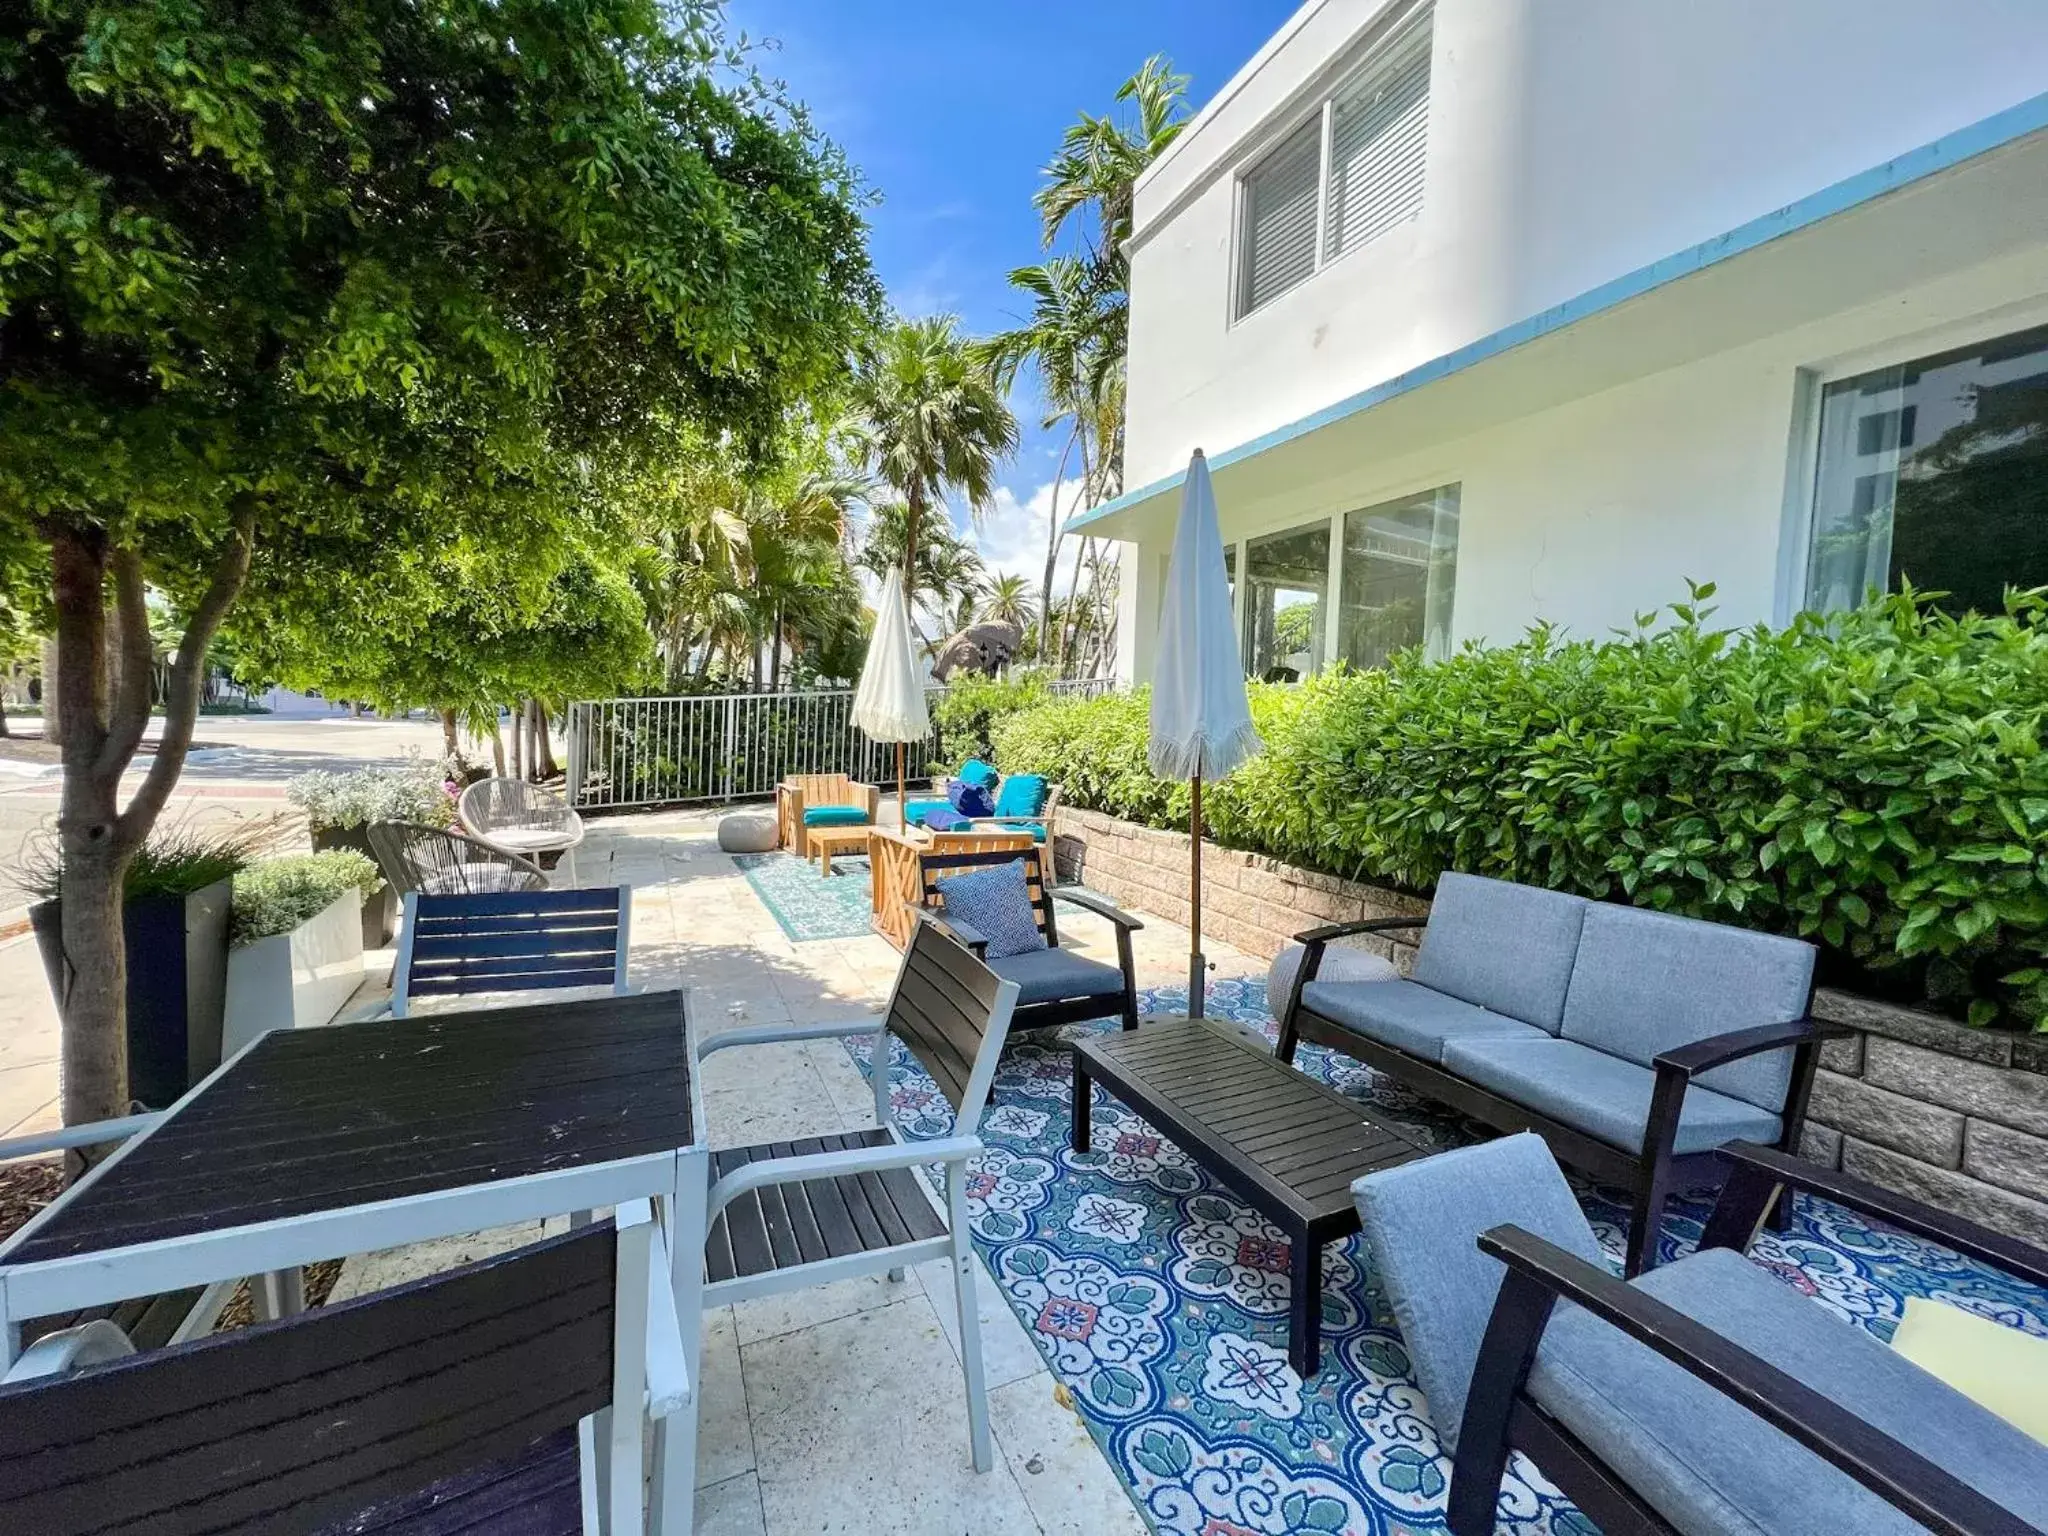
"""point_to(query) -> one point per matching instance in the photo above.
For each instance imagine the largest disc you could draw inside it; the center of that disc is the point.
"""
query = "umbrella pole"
(1197, 966)
(902, 805)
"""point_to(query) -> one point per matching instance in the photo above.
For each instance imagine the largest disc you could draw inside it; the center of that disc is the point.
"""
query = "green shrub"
(1874, 782)
(276, 895)
(177, 860)
(415, 791)
(966, 714)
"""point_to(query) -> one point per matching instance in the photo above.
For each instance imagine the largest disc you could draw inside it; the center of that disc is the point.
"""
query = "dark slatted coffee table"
(316, 1143)
(1286, 1144)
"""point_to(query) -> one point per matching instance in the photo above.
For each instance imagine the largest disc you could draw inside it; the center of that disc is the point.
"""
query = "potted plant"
(175, 906)
(339, 808)
(295, 953)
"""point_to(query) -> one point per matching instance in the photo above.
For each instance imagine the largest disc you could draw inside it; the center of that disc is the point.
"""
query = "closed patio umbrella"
(1201, 719)
(889, 703)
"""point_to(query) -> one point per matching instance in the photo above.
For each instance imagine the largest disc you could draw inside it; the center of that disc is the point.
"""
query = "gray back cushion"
(1501, 946)
(1646, 982)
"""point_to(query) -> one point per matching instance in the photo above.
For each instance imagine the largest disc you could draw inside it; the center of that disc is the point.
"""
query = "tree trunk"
(449, 745)
(545, 766)
(1070, 629)
(1052, 551)
(775, 654)
(53, 728)
(497, 746)
(518, 740)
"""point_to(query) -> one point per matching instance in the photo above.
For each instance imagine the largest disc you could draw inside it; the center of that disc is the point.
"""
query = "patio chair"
(799, 1214)
(1055, 985)
(522, 818)
(1706, 1396)
(440, 862)
(508, 1394)
(805, 800)
(511, 941)
(1022, 801)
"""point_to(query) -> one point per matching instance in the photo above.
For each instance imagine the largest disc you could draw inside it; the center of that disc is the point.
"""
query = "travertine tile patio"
(842, 1409)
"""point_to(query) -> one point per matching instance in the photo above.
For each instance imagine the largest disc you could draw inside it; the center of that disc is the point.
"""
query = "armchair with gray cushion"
(1635, 1043)
(1708, 1397)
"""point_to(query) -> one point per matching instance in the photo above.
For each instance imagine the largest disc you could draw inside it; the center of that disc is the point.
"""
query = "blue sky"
(949, 110)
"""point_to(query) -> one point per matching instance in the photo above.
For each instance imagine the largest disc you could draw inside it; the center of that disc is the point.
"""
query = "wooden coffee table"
(828, 843)
(1288, 1146)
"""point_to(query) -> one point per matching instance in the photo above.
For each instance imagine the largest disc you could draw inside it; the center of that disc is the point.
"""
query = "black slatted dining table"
(318, 1143)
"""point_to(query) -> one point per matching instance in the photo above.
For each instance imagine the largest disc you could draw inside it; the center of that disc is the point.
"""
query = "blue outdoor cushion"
(1422, 1221)
(835, 816)
(1647, 982)
(1503, 947)
(1410, 1017)
(943, 818)
(996, 903)
(1708, 1465)
(1022, 794)
(1052, 975)
(981, 775)
(968, 799)
(1602, 1095)
(915, 811)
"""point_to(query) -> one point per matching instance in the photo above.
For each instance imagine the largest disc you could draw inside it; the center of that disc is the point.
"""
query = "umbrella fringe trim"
(1197, 754)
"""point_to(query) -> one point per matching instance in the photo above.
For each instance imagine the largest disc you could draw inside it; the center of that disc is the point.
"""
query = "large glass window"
(1935, 472)
(1286, 576)
(1400, 574)
(1347, 175)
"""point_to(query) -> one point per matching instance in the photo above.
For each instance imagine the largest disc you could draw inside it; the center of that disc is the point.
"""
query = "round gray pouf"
(1341, 962)
(747, 832)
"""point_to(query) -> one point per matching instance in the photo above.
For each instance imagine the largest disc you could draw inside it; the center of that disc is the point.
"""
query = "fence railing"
(730, 746)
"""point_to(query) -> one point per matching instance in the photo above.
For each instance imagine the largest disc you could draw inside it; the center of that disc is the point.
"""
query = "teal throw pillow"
(1022, 794)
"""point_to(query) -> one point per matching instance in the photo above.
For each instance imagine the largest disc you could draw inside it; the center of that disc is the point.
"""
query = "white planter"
(295, 980)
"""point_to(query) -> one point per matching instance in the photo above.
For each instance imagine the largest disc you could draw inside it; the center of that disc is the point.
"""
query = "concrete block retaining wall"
(1918, 1103)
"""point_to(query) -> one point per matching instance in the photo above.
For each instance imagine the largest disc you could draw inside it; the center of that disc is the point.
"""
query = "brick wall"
(1918, 1103)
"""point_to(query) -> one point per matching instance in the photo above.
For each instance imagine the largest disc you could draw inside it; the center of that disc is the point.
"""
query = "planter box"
(295, 980)
(380, 912)
(177, 949)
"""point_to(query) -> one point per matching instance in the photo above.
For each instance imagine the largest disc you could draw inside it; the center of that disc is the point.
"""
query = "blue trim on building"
(1944, 153)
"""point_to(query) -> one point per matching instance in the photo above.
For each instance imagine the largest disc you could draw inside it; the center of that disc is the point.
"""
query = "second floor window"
(1348, 174)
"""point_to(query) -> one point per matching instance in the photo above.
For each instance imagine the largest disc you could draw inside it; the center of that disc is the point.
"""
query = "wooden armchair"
(802, 792)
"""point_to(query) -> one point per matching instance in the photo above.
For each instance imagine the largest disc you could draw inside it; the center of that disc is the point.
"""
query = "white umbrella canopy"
(1201, 718)
(889, 703)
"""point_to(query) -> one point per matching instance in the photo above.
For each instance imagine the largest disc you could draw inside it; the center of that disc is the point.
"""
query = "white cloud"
(1011, 539)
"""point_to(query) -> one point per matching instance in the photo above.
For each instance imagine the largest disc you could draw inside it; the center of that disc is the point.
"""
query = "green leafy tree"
(296, 301)
(1008, 602)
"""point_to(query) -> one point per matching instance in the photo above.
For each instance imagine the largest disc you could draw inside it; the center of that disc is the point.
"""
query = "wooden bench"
(1286, 1145)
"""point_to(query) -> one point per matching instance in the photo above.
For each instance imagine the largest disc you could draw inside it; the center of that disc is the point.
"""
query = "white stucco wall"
(1570, 141)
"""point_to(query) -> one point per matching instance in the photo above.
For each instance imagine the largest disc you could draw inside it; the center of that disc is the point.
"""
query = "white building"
(1491, 311)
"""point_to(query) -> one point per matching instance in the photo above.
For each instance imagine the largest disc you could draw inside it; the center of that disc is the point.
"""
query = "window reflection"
(1400, 575)
(1285, 578)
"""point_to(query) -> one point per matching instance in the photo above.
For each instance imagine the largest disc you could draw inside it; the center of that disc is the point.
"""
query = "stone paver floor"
(840, 1409)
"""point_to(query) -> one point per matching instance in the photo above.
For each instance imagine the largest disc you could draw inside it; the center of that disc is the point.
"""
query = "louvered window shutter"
(1280, 218)
(1379, 132)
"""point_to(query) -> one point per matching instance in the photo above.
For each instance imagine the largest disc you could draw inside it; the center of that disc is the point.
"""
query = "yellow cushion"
(1997, 1367)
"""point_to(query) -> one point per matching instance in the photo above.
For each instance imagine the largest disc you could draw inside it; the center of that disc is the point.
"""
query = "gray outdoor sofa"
(1633, 1042)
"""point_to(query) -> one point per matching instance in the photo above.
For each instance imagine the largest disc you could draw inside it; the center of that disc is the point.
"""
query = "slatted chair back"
(421, 858)
(953, 1013)
(512, 941)
(945, 861)
(494, 804)
(297, 1425)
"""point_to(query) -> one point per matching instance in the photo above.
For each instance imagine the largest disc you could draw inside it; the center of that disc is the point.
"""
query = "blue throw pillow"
(943, 818)
(974, 771)
(1022, 794)
(835, 815)
(997, 902)
(968, 799)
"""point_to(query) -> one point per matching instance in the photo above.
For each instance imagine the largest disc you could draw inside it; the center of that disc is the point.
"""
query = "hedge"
(1873, 781)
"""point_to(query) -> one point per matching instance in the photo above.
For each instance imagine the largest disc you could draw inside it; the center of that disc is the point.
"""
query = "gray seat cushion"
(1341, 962)
(1422, 1221)
(1503, 947)
(1646, 982)
(1052, 975)
(1602, 1095)
(1712, 1468)
(1410, 1017)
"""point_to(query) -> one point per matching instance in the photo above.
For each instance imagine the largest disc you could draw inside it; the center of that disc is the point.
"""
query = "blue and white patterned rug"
(809, 905)
(1161, 1302)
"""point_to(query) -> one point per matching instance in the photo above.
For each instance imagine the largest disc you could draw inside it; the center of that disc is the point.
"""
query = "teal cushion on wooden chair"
(1022, 794)
(974, 771)
(835, 816)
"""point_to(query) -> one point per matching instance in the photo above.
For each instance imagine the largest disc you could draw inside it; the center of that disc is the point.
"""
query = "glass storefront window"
(1400, 575)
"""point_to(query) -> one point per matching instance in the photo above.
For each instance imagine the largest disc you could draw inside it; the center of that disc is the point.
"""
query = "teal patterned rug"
(1160, 1301)
(807, 904)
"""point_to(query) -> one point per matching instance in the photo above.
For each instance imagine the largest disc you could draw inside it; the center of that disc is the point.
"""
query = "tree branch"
(188, 672)
(128, 711)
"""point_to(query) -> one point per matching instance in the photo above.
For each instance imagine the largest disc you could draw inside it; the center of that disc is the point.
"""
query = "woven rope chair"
(521, 818)
(443, 863)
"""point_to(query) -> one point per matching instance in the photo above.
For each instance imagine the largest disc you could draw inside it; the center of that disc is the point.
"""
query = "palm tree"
(1008, 602)
(928, 415)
